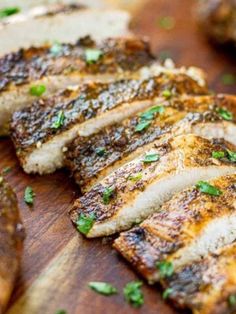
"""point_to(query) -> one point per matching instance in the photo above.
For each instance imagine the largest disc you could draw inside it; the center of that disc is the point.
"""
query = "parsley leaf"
(228, 79)
(100, 151)
(85, 222)
(231, 155)
(207, 188)
(102, 288)
(166, 269)
(37, 90)
(218, 154)
(59, 121)
(167, 293)
(8, 11)
(56, 49)
(133, 293)
(142, 125)
(167, 93)
(92, 55)
(232, 300)
(29, 195)
(107, 194)
(6, 170)
(225, 114)
(149, 114)
(166, 22)
(151, 158)
(136, 177)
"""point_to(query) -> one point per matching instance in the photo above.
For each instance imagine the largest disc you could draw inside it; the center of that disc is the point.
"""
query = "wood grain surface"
(58, 263)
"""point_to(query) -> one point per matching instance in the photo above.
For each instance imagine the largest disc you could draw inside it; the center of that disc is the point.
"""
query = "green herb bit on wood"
(166, 269)
(151, 158)
(29, 195)
(166, 294)
(207, 188)
(133, 293)
(59, 122)
(5, 12)
(225, 114)
(92, 55)
(37, 90)
(85, 222)
(107, 195)
(228, 79)
(103, 288)
(166, 22)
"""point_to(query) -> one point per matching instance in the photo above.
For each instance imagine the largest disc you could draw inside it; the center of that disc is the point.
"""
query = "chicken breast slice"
(207, 286)
(41, 132)
(75, 21)
(11, 240)
(139, 188)
(92, 158)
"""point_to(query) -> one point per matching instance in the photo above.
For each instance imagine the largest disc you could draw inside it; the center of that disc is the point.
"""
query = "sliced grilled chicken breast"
(57, 67)
(207, 286)
(60, 22)
(92, 158)
(192, 224)
(49, 125)
(139, 188)
(11, 238)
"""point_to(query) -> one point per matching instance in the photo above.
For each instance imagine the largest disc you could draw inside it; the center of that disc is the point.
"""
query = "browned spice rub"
(90, 157)
(11, 238)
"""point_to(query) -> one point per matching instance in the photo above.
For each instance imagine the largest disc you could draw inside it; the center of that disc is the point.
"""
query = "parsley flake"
(107, 194)
(56, 49)
(102, 288)
(151, 158)
(85, 222)
(136, 177)
(133, 294)
(166, 269)
(167, 93)
(232, 300)
(8, 11)
(218, 154)
(37, 90)
(142, 125)
(6, 170)
(166, 22)
(100, 151)
(92, 55)
(228, 79)
(225, 114)
(231, 155)
(29, 195)
(207, 188)
(166, 294)
(59, 122)
(149, 114)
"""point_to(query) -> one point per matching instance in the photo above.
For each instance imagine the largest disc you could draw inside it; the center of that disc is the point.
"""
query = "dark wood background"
(58, 263)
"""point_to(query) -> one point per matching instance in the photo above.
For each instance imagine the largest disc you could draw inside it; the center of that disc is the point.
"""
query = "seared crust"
(11, 238)
(33, 125)
(176, 154)
(117, 56)
(206, 286)
(120, 140)
(181, 220)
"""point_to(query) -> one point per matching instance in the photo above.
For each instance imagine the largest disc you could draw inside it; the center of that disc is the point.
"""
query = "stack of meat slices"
(134, 133)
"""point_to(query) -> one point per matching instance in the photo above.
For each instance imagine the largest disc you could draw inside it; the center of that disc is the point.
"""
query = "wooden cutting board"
(58, 263)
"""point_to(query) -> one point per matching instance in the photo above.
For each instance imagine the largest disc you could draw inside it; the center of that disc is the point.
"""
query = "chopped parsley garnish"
(167, 93)
(225, 114)
(232, 300)
(218, 154)
(29, 195)
(231, 155)
(85, 222)
(133, 293)
(56, 49)
(167, 293)
(8, 11)
(103, 288)
(107, 195)
(142, 125)
(100, 151)
(166, 269)
(228, 79)
(166, 22)
(151, 158)
(6, 170)
(92, 55)
(207, 188)
(58, 123)
(147, 116)
(136, 177)
(37, 90)
(60, 312)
